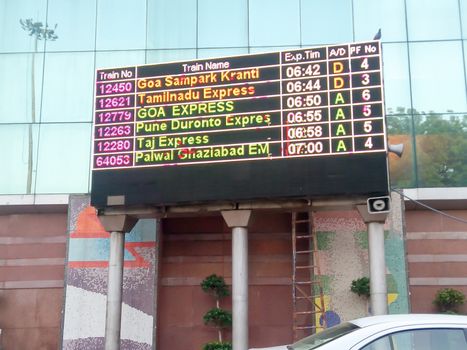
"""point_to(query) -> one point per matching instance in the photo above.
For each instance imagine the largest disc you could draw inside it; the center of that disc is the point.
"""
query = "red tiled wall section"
(194, 248)
(32, 255)
(437, 256)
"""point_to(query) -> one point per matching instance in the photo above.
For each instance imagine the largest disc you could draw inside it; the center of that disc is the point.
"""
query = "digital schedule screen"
(301, 123)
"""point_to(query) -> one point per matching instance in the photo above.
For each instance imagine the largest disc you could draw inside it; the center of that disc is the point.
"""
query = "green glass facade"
(46, 81)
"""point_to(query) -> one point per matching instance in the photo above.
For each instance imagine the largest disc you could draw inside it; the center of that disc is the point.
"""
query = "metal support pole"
(378, 287)
(240, 288)
(114, 291)
(237, 220)
(117, 225)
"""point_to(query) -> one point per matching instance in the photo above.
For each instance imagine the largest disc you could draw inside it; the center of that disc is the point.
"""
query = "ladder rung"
(305, 327)
(304, 291)
(306, 312)
(310, 297)
(306, 267)
(306, 251)
(307, 282)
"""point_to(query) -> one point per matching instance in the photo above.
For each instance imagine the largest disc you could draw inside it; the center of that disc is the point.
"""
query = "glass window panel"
(169, 27)
(13, 38)
(76, 24)
(159, 56)
(441, 149)
(421, 339)
(215, 31)
(111, 59)
(433, 19)
(68, 87)
(463, 9)
(438, 82)
(64, 158)
(383, 343)
(17, 97)
(18, 152)
(326, 22)
(401, 170)
(387, 15)
(206, 53)
(396, 78)
(274, 22)
(464, 42)
(121, 24)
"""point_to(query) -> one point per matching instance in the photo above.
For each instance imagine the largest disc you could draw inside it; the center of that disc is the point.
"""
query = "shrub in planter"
(215, 285)
(217, 317)
(361, 287)
(215, 345)
(449, 299)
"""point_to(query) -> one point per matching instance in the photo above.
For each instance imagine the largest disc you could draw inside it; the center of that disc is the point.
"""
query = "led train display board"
(301, 123)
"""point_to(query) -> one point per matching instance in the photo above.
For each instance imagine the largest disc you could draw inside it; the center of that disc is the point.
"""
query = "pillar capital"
(236, 218)
(118, 223)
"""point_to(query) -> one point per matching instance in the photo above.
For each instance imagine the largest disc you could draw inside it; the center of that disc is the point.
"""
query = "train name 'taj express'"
(155, 142)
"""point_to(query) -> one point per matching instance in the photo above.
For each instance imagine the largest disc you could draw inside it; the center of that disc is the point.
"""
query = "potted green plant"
(215, 285)
(215, 345)
(361, 287)
(217, 317)
(448, 300)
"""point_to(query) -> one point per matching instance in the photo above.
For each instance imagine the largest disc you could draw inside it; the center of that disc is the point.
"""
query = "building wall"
(32, 277)
(436, 248)
(193, 248)
(32, 256)
(46, 115)
(198, 247)
(86, 282)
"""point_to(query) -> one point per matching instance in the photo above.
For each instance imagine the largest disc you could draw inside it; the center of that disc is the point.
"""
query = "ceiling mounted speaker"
(378, 205)
(396, 149)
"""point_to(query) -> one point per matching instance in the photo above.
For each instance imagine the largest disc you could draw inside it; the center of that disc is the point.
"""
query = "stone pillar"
(378, 285)
(117, 225)
(237, 220)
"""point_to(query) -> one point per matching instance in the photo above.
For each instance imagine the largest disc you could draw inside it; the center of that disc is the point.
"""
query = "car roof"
(409, 319)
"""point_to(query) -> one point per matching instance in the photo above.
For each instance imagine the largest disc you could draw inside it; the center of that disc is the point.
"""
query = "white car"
(389, 332)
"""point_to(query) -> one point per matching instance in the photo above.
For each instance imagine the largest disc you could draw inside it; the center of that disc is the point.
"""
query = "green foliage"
(38, 30)
(218, 317)
(361, 287)
(448, 299)
(440, 143)
(215, 345)
(215, 285)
